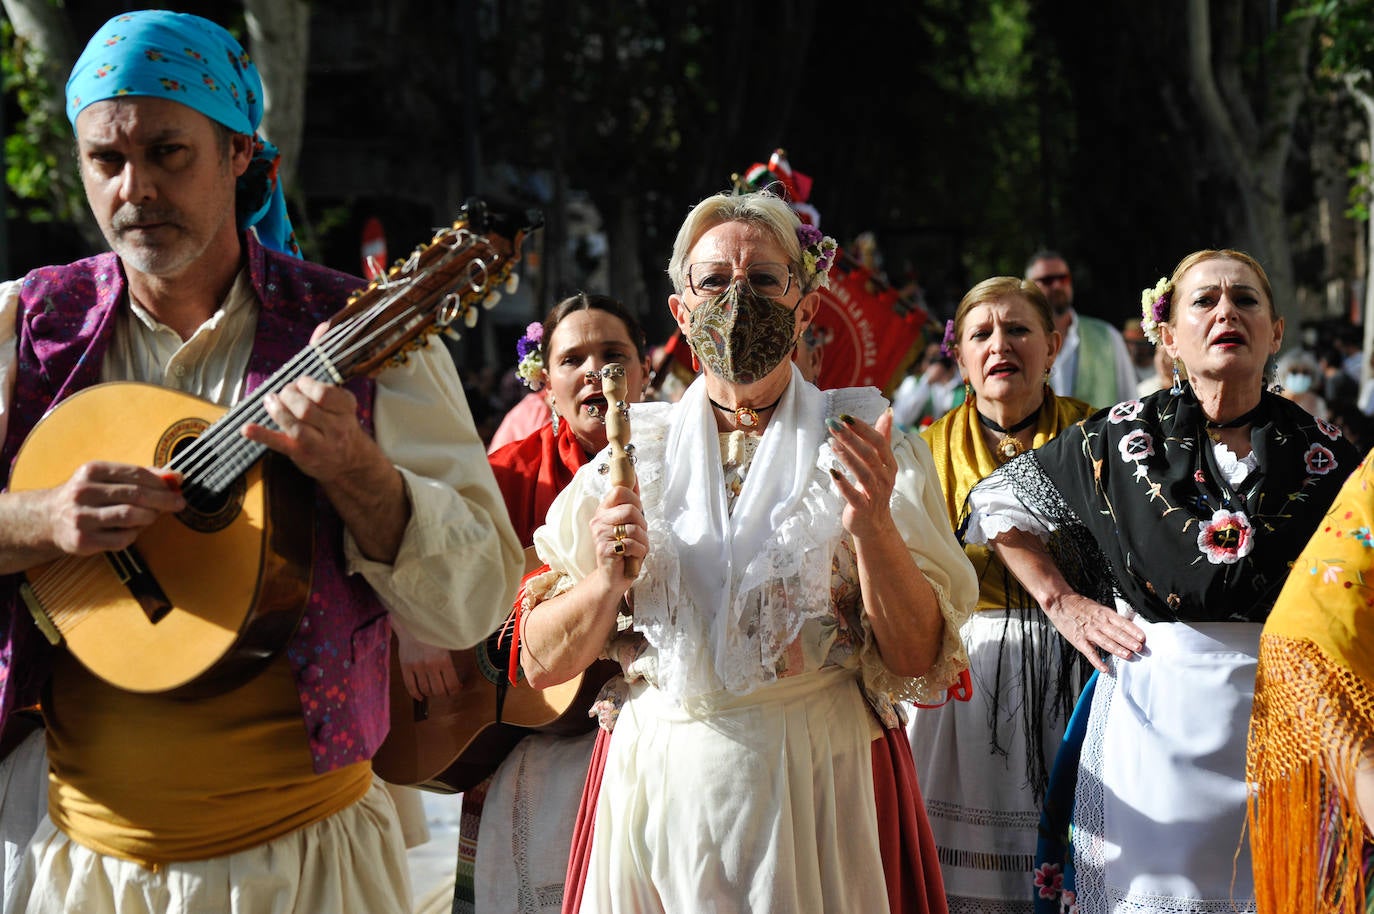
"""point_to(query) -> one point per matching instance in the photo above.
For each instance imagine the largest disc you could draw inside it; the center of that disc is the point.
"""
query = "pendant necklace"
(1007, 446)
(746, 417)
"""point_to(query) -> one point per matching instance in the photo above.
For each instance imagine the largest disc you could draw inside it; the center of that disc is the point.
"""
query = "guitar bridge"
(133, 573)
(40, 615)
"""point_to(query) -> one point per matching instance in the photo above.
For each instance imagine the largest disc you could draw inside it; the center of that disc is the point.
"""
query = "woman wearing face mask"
(1299, 385)
(797, 578)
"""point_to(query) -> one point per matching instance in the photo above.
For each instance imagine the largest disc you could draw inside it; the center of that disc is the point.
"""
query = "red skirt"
(910, 864)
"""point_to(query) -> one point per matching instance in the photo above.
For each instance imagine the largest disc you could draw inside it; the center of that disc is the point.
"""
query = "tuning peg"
(491, 299)
(470, 318)
(512, 283)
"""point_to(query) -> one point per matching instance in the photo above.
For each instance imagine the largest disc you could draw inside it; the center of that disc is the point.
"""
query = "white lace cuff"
(930, 687)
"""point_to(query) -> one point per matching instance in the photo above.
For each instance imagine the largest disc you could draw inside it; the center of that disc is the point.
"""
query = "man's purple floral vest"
(340, 652)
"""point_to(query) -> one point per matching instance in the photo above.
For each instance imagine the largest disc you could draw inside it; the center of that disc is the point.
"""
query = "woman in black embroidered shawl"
(1156, 535)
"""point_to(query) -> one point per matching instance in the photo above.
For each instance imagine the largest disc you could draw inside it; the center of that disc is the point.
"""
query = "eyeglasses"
(769, 280)
(1050, 279)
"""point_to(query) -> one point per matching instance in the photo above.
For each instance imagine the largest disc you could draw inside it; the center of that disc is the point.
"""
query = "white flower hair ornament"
(818, 256)
(530, 368)
(1154, 308)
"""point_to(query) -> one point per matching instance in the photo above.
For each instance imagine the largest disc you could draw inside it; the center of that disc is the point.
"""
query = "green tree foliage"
(38, 162)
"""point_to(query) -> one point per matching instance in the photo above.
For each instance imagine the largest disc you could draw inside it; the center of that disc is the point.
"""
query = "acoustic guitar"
(207, 597)
(451, 743)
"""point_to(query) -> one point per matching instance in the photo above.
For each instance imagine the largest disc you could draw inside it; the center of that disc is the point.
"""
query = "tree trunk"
(1253, 151)
(45, 28)
(279, 40)
(1366, 103)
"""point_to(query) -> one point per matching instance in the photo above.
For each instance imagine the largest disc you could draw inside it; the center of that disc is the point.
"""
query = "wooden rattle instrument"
(617, 418)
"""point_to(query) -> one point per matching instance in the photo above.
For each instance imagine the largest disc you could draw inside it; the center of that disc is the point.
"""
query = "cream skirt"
(757, 803)
(982, 810)
(527, 824)
(353, 862)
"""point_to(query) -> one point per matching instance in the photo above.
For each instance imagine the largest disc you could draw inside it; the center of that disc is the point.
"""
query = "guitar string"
(68, 609)
(222, 447)
(242, 452)
(223, 437)
(79, 583)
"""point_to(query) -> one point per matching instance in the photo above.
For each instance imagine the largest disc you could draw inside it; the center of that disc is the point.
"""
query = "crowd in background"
(992, 644)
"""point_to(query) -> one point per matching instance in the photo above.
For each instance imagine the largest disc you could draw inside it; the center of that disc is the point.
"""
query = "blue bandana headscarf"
(190, 60)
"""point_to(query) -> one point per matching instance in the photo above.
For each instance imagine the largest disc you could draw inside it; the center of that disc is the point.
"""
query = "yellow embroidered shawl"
(1313, 713)
(962, 459)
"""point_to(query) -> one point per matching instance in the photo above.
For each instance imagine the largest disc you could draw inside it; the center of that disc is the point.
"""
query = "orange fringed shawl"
(1314, 718)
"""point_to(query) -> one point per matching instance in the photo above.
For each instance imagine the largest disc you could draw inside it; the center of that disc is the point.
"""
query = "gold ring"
(620, 531)
(618, 547)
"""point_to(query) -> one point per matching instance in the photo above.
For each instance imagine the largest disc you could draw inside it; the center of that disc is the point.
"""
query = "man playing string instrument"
(260, 797)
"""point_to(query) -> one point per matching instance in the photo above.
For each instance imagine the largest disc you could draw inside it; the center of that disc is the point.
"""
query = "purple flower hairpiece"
(1154, 308)
(818, 256)
(947, 344)
(530, 360)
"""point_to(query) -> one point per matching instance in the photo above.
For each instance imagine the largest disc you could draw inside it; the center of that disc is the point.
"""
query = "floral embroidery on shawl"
(1141, 510)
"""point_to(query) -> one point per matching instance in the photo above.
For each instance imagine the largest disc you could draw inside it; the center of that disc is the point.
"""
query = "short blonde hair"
(997, 288)
(763, 209)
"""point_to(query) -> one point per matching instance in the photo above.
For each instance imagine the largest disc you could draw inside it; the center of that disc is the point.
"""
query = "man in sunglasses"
(1094, 365)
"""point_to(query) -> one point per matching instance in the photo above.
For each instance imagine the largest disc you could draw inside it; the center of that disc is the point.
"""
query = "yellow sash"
(962, 459)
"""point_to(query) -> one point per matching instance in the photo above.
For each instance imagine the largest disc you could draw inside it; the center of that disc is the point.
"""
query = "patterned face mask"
(740, 335)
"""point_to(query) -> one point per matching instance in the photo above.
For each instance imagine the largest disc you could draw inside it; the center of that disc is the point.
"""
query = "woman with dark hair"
(580, 336)
(530, 802)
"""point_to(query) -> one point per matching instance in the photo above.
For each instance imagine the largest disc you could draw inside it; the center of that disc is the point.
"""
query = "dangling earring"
(968, 391)
(696, 363)
(1178, 384)
(553, 414)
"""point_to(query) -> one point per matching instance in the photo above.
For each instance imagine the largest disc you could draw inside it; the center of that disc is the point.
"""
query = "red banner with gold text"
(868, 329)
